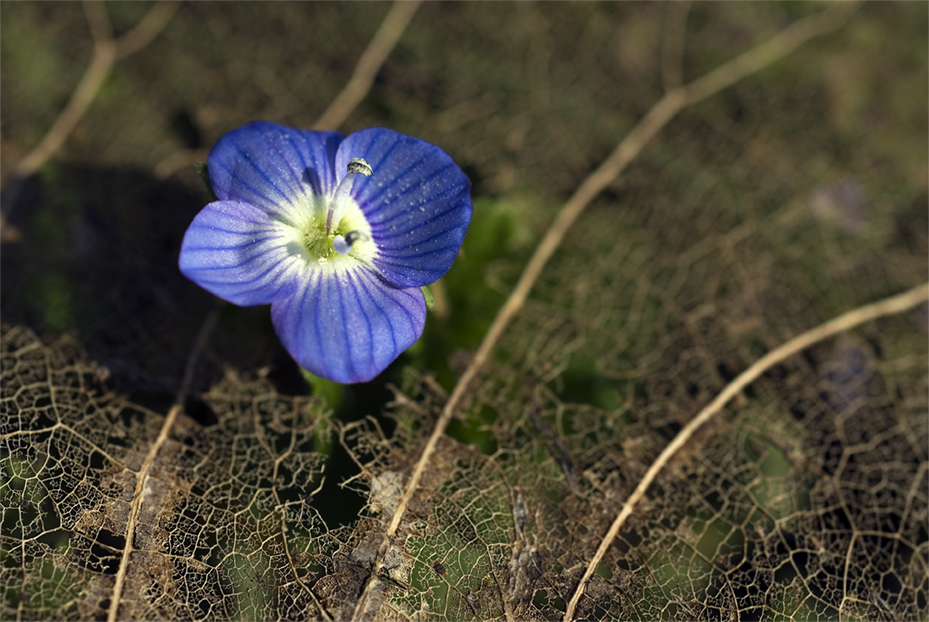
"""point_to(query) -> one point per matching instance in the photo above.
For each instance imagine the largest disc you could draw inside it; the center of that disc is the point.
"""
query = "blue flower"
(337, 233)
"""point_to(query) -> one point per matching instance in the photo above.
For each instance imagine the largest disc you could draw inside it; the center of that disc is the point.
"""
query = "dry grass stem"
(845, 322)
(370, 63)
(657, 117)
(142, 477)
(383, 42)
(355, 90)
(107, 51)
(147, 29)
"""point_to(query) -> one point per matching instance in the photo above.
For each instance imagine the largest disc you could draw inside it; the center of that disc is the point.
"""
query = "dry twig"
(370, 62)
(846, 321)
(107, 51)
(142, 477)
(658, 116)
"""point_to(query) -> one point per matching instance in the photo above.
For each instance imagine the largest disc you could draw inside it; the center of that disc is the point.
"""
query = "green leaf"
(430, 299)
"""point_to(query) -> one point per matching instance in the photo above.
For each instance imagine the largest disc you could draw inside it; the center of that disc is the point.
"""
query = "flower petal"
(273, 167)
(417, 202)
(349, 325)
(238, 252)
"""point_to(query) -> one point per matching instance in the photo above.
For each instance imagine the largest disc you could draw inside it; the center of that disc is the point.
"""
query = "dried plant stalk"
(845, 322)
(657, 117)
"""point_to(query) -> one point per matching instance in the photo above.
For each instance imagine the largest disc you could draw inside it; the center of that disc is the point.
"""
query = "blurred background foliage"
(795, 195)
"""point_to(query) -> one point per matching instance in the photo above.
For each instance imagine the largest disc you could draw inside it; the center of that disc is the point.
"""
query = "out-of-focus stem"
(107, 51)
(370, 62)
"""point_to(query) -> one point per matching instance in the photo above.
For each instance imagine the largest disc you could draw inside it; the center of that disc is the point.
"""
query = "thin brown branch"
(776, 48)
(845, 322)
(106, 52)
(750, 62)
(134, 509)
(370, 62)
(99, 22)
(147, 29)
(659, 115)
(132, 521)
(104, 57)
(355, 90)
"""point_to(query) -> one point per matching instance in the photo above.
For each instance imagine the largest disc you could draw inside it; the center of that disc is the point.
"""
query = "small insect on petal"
(360, 165)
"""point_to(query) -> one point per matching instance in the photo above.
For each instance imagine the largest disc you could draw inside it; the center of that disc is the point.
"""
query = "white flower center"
(338, 229)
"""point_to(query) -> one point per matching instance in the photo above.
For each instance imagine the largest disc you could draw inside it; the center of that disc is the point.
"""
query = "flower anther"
(337, 233)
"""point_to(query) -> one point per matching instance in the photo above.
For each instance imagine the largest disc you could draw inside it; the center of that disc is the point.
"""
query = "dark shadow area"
(96, 257)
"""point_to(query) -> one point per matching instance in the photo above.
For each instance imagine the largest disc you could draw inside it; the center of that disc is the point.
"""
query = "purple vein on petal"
(414, 254)
(403, 262)
(397, 176)
(240, 181)
(297, 177)
(258, 277)
(272, 281)
(372, 349)
(320, 319)
(288, 138)
(406, 309)
(370, 286)
(389, 234)
(380, 161)
(334, 285)
(392, 216)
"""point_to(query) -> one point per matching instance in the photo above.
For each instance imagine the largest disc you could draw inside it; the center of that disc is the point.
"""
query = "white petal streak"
(237, 252)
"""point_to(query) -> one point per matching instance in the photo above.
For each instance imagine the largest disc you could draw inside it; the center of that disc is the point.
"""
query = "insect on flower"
(337, 233)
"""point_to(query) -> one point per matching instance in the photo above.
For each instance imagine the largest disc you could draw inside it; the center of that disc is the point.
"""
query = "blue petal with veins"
(338, 248)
